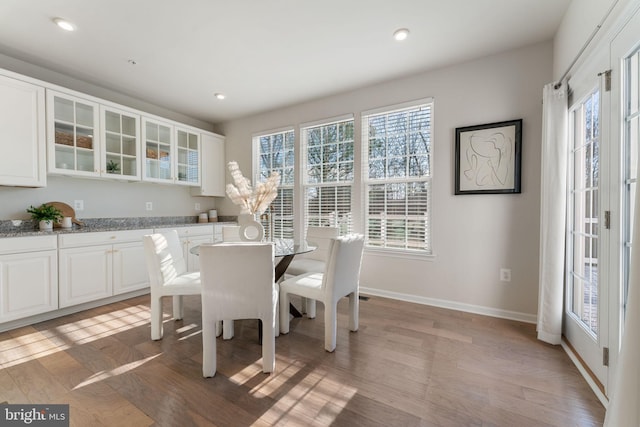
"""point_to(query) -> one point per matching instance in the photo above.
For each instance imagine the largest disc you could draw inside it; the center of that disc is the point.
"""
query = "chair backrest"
(231, 233)
(320, 237)
(237, 279)
(342, 272)
(164, 256)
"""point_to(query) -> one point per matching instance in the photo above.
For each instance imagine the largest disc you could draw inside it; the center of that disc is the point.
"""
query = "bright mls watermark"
(34, 415)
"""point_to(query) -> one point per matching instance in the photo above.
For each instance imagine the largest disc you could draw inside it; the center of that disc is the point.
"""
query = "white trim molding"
(452, 305)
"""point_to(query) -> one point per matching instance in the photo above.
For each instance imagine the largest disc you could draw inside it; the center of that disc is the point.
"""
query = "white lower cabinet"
(129, 267)
(101, 264)
(28, 276)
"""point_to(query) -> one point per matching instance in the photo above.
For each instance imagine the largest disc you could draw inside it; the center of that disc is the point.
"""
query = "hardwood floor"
(408, 365)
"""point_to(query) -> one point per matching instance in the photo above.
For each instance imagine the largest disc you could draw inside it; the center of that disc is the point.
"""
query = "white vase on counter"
(45, 225)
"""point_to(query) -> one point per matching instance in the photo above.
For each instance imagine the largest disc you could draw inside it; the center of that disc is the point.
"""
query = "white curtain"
(553, 212)
(624, 398)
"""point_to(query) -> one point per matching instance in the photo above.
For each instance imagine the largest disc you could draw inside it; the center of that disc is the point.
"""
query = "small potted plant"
(113, 167)
(45, 215)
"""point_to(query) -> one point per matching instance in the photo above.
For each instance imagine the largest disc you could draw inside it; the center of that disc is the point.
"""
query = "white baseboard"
(453, 305)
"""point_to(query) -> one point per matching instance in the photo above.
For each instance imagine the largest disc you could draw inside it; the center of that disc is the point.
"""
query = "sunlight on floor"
(37, 344)
(314, 398)
(115, 372)
(186, 328)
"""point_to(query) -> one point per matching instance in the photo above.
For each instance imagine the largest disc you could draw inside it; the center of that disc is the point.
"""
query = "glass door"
(625, 85)
(585, 313)
(72, 134)
(157, 151)
(121, 144)
(188, 157)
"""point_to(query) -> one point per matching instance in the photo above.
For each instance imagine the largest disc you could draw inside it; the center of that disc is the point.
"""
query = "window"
(276, 153)
(328, 176)
(396, 175)
(582, 261)
(631, 127)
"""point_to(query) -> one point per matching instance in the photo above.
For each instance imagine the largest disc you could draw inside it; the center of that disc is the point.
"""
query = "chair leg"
(276, 330)
(227, 329)
(218, 328)
(209, 361)
(178, 309)
(284, 312)
(354, 311)
(311, 308)
(330, 325)
(156, 318)
(268, 344)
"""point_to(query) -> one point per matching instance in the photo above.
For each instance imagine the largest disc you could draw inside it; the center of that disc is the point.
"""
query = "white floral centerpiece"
(252, 200)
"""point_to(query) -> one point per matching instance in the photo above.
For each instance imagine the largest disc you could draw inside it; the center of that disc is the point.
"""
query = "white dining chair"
(341, 278)
(314, 261)
(238, 283)
(168, 276)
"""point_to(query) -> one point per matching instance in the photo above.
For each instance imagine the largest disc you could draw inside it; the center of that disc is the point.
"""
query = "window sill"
(399, 253)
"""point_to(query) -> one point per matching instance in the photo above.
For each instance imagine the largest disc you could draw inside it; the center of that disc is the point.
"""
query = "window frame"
(426, 180)
(304, 129)
(256, 156)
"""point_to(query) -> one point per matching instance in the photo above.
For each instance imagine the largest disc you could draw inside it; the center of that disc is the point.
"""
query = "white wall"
(580, 22)
(102, 198)
(473, 235)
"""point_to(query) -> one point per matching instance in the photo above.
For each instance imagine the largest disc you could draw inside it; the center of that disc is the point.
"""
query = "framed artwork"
(488, 158)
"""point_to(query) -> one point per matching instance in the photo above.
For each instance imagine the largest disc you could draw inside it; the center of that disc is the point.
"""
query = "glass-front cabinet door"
(121, 142)
(72, 135)
(188, 158)
(157, 151)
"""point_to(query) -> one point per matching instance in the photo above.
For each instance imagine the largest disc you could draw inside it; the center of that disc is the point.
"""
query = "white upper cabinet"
(121, 144)
(73, 135)
(188, 156)
(212, 181)
(171, 153)
(22, 140)
(157, 151)
(51, 129)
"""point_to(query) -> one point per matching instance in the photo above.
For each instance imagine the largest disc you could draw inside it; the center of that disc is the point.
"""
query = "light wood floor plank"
(408, 365)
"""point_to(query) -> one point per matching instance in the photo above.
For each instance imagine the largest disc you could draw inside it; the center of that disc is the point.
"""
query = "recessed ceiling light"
(401, 34)
(220, 95)
(64, 24)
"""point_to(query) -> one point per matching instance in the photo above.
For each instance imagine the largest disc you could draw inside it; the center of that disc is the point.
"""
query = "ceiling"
(262, 54)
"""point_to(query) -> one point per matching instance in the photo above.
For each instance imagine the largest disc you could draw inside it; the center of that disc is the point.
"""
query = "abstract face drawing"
(487, 158)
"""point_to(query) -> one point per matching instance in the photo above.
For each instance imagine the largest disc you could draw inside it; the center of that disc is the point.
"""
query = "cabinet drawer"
(194, 230)
(101, 237)
(15, 245)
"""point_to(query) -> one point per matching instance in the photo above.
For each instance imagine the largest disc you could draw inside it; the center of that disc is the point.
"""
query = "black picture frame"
(488, 158)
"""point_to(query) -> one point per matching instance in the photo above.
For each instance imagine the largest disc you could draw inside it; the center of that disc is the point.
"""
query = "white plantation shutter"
(328, 178)
(276, 153)
(397, 176)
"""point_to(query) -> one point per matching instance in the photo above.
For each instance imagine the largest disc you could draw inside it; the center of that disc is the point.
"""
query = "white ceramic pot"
(250, 229)
(45, 225)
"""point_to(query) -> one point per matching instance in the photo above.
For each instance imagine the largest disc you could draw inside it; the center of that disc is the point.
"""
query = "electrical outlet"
(78, 205)
(505, 274)
(149, 206)
(197, 206)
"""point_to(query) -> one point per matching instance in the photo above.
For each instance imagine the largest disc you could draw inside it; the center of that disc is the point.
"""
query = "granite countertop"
(30, 228)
